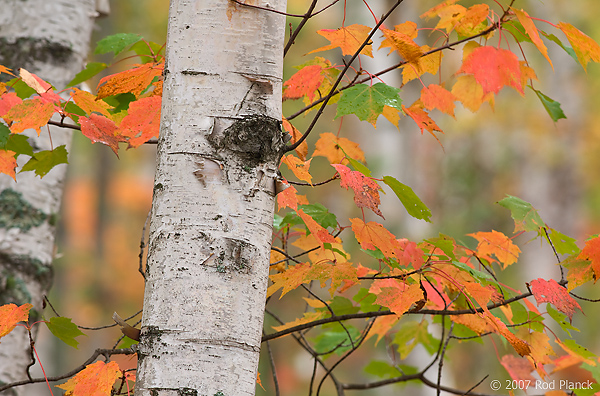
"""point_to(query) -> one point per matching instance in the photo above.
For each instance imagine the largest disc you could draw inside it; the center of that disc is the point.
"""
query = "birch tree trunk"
(51, 39)
(212, 213)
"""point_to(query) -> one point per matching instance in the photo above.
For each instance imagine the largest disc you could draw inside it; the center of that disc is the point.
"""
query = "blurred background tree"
(516, 150)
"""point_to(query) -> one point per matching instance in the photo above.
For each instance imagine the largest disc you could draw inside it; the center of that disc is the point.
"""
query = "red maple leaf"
(493, 68)
(95, 380)
(10, 315)
(553, 293)
(305, 82)
(366, 191)
(142, 122)
(101, 129)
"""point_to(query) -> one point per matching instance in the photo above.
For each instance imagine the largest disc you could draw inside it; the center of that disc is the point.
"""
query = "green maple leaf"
(367, 102)
(43, 161)
(65, 330)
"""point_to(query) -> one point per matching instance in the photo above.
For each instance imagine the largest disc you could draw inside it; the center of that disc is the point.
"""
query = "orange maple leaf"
(437, 97)
(519, 345)
(302, 149)
(366, 190)
(306, 318)
(322, 235)
(420, 116)
(101, 129)
(289, 279)
(470, 93)
(402, 43)
(472, 21)
(373, 235)
(541, 350)
(591, 252)
(382, 326)
(396, 295)
(584, 46)
(493, 68)
(498, 244)
(8, 163)
(142, 121)
(532, 32)
(425, 64)
(32, 113)
(288, 198)
(10, 315)
(333, 148)
(305, 82)
(553, 293)
(96, 379)
(134, 80)
(4, 69)
(519, 369)
(7, 102)
(298, 167)
(88, 103)
(434, 11)
(348, 38)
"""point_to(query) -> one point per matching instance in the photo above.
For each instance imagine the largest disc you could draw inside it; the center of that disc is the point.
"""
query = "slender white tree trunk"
(212, 212)
(51, 39)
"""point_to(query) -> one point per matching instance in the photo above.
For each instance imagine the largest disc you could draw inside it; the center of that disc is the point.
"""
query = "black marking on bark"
(16, 212)
(24, 51)
(256, 139)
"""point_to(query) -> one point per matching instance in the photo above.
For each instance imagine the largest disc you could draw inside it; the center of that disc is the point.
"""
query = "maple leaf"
(473, 20)
(336, 148)
(288, 198)
(10, 315)
(434, 11)
(499, 245)
(382, 327)
(289, 279)
(409, 254)
(8, 101)
(373, 236)
(8, 163)
(366, 190)
(88, 103)
(425, 64)
(33, 113)
(411, 202)
(551, 292)
(322, 235)
(523, 213)
(450, 17)
(541, 350)
(420, 116)
(584, 46)
(404, 44)
(367, 102)
(305, 82)
(580, 272)
(396, 295)
(519, 345)
(470, 93)
(437, 97)
(348, 38)
(532, 32)
(519, 369)
(306, 318)
(591, 252)
(40, 86)
(6, 70)
(302, 149)
(96, 379)
(298, 167)
(493, 68)
(142, 121)
(483, 294)
(337, 273)
(473, 322)
(101, 129)
(133, 81)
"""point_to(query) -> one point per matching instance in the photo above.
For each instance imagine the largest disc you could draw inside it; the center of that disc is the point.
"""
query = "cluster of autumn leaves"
(437, 276)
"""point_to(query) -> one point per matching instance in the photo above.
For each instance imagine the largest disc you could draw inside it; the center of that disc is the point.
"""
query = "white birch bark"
(212, 212)
(51, 39)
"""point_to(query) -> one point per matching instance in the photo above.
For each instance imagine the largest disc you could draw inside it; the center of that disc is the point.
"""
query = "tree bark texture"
(51, 39)
(212, 214)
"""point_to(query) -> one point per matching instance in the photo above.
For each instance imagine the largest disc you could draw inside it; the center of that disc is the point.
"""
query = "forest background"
(516, 150)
